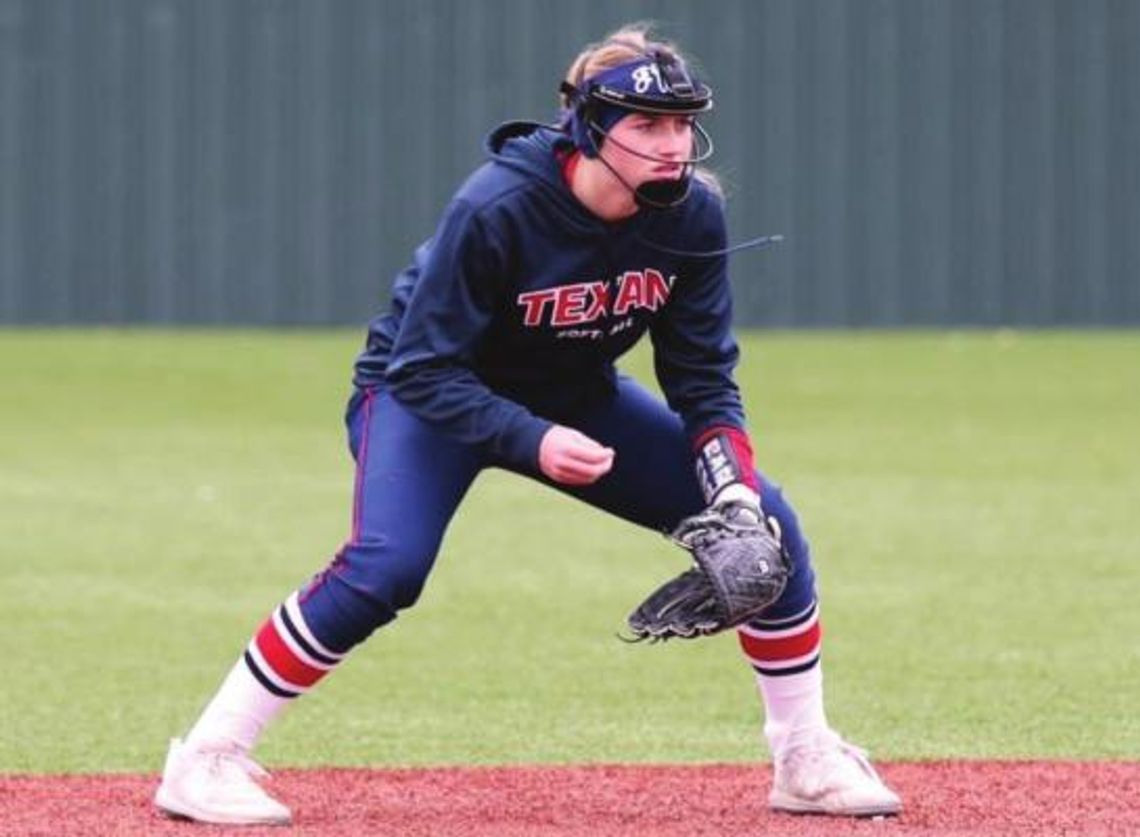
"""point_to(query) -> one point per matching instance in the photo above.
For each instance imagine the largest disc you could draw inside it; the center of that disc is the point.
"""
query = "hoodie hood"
(536, 152)
(530, 147)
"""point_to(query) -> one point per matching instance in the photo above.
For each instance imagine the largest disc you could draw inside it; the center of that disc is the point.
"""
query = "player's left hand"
(740, 569)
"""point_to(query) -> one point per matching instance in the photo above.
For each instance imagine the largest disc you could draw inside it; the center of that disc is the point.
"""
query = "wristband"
(724, 458)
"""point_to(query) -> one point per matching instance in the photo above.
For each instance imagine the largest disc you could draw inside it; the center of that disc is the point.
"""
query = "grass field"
(973, 500)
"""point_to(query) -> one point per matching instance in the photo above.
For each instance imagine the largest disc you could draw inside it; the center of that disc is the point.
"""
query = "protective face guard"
(657, 83)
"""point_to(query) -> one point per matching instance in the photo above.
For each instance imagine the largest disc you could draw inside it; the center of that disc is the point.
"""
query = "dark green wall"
(961, 162)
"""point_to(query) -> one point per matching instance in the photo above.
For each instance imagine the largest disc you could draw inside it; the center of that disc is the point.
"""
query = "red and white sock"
(785, 655)
(282, 661)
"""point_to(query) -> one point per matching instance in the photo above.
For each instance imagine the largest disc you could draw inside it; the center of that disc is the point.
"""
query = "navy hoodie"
(511, 316)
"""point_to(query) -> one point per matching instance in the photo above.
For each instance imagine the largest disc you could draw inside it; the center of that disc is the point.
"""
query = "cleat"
(215, 784)
(820, 773)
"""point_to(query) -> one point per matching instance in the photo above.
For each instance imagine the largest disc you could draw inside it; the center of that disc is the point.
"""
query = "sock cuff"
(284, 656)
(784, 647)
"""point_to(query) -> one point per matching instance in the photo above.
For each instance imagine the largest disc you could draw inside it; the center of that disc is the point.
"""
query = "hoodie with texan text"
(513, 313)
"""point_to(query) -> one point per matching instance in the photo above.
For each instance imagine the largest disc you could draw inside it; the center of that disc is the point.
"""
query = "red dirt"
(1014, 797)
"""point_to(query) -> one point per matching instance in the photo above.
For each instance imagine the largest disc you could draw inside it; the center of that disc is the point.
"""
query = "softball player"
(498, 350)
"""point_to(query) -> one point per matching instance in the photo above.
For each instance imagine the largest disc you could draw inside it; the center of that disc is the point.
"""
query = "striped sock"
(284, 655)
(785, 656)
(282, 661)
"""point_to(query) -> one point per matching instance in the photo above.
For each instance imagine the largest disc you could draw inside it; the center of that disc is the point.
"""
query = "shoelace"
(860, 757)
(225, 760)
(822, 749)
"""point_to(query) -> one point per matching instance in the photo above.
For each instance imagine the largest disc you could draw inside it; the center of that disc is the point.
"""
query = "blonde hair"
(619, 47)
(628, 43)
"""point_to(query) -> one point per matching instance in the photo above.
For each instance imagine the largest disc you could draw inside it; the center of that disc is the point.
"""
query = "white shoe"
(216, 784)
(820, 773)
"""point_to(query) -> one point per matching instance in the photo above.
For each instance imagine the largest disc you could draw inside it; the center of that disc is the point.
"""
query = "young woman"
(498, 350)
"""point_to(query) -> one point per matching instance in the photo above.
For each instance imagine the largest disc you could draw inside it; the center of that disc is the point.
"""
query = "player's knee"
(392, 575)
(776, 505)
(338, 615)
(405, 592)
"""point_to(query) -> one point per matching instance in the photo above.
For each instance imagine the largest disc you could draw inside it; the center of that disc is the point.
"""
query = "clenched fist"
(573, 458)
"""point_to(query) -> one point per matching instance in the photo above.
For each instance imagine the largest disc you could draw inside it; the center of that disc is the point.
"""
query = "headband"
(655, 83)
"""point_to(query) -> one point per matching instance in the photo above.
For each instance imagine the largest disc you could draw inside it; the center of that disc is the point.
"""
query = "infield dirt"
(940, 797)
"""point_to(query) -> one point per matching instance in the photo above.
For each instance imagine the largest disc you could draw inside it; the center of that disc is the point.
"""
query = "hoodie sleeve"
(693, 347)
(430, 368)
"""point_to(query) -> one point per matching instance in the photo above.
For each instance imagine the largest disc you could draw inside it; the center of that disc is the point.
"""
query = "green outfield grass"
(973, 500)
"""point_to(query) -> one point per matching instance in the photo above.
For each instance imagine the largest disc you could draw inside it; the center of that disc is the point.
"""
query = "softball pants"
(410, 479)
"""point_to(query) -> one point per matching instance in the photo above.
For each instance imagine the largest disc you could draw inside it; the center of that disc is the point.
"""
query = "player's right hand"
(573, 458)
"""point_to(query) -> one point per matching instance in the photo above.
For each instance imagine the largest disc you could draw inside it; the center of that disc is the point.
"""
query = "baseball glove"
(740, 567)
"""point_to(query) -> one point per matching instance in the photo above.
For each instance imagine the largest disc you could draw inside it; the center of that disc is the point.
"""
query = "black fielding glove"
(740, 568)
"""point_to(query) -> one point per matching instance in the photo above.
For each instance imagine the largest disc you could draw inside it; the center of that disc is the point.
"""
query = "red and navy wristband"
(724, 457)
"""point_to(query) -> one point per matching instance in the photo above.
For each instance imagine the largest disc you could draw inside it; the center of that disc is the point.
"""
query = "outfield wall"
(931, 162)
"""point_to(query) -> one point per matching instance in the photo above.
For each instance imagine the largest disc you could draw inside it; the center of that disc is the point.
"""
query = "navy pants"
(410, 478)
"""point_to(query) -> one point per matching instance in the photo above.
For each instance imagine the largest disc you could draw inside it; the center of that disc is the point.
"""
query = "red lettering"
(631, 294)
(585, 302)
(569, 305)
(535, 302)
(657, 290)
(600, 301)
